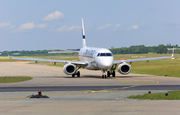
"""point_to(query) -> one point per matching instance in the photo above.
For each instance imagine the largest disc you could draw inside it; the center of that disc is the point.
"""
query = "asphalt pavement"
(89, 94)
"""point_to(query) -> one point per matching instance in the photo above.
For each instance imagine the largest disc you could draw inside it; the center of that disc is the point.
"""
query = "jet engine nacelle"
(124, 68)
(69, 69)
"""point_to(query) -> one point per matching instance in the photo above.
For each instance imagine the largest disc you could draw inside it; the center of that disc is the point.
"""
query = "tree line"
(138, 49)
(35, 53)
(141, 49)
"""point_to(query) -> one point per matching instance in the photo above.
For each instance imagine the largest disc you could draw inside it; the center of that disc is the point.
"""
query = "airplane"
(95, 59)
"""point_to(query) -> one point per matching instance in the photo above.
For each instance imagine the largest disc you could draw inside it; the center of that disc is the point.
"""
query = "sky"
(45, 24)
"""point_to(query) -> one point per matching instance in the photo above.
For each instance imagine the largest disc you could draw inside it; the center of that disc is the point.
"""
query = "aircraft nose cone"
(106, 63)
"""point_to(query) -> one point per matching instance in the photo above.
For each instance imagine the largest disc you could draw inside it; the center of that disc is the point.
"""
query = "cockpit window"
(104, 54)
(108, 54)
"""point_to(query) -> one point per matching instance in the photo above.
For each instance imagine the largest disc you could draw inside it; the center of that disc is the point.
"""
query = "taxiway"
(89, 94)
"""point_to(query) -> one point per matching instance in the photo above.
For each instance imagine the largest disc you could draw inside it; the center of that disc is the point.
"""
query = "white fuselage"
(97, 58)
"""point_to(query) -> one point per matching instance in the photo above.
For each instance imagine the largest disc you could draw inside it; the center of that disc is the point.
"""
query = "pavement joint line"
(136, 81)
(93, 91)
(76, 93)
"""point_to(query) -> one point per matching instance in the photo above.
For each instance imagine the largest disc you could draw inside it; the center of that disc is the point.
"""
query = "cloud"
(73, 28)
(41, 25)
(27, 26)
(56, 15)
(144, 23)
(11, 27)
(30, 25)
(117, 25)
(61, 29)
(103, 27)
(88, 26)
(135, 27)
(66, 28)
(6, 24)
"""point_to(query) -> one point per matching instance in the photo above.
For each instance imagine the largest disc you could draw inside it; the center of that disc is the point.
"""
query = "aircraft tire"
(114, 74)
(108, 73)
(102, 76)
(73, 75)
(78, 74)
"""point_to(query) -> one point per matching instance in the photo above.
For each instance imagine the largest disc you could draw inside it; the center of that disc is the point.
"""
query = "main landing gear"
(111, 73)
(76, 73)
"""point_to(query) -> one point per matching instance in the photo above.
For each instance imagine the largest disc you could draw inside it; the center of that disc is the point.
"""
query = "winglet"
(8, 54)
(172, 52)
(83, 34)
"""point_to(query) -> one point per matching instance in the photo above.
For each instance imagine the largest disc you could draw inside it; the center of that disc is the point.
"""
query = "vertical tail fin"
(83, 35)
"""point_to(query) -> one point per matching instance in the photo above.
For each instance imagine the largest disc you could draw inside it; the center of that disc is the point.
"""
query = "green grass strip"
(172, 95)
(6, 59)
(10, 79)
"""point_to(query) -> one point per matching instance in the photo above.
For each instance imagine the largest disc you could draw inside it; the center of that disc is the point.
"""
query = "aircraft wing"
(144, 59)
(49, 60)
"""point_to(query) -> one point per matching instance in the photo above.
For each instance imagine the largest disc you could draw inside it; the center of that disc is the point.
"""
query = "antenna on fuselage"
(83, 35)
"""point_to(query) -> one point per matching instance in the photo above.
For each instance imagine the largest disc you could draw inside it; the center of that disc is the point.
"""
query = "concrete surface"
(81, 102)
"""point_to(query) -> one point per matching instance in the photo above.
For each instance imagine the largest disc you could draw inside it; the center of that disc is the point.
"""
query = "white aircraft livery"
(95, 59)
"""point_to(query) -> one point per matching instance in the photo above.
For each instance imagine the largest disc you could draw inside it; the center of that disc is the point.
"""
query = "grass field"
(172, 95)
(167, 67)
(6, 59)
(10, 79)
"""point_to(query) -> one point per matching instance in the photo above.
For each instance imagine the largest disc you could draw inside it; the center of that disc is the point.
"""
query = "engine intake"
(69, 69)
(124, 68)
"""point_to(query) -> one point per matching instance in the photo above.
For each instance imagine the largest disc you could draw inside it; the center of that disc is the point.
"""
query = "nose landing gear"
(104, 74)
(109, 73)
